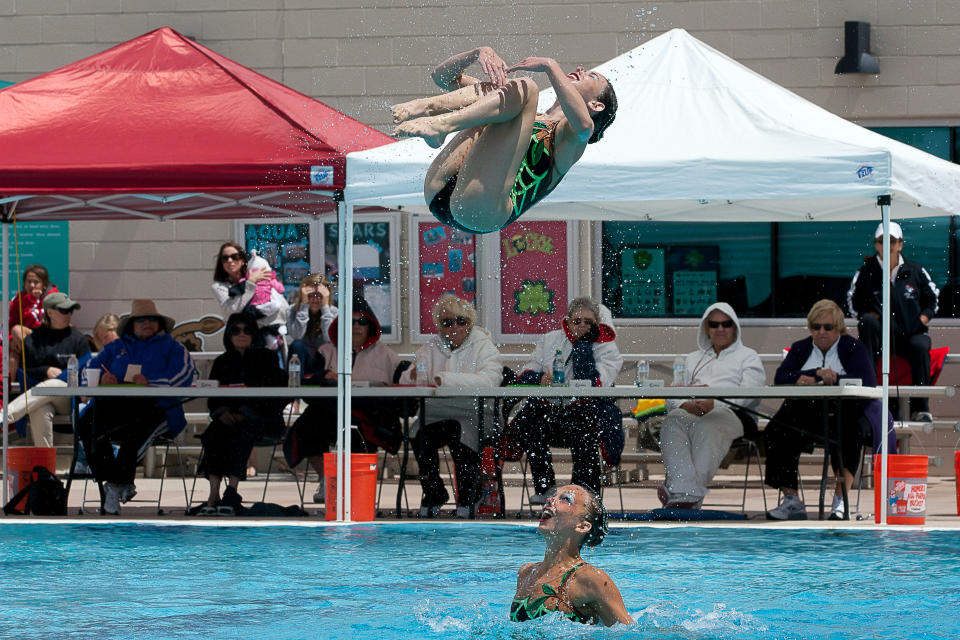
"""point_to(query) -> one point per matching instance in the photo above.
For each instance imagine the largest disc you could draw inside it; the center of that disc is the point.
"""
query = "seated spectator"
(235, 287)
(585, 341)
(144, 354)
(378, 419)
(237, 423)
(308, 323)
(45, 352)
(104, 331)
(26, 310)
(826, 356)
(460, 355)
(913, 301)
(696, 434)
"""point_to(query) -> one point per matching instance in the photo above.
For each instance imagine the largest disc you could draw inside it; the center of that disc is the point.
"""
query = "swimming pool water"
(456, 581)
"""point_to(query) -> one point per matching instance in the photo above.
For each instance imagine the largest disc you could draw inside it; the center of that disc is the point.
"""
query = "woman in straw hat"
(144, 354)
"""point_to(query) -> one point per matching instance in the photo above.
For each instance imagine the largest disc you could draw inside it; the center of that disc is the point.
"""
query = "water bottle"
(679, 371)
(422, 379)
(73, 371)
(559, 377)
(293, 371)
(643, 372)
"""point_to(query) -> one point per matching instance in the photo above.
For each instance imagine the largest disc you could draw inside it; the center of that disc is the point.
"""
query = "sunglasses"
(578, 321)
(362, 321)
(238, 329)
(716, 324)
(816, 326)
(449, 322)
(142, 319)
(228, 257)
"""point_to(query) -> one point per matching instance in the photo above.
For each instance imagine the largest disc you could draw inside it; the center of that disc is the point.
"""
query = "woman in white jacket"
(696, 434)
(460, 355)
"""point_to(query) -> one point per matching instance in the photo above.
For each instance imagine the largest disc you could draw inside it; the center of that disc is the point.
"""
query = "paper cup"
(93, 377)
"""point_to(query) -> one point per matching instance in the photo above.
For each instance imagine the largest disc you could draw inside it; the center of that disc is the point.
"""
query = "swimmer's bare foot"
(409, 110)
(425, 128)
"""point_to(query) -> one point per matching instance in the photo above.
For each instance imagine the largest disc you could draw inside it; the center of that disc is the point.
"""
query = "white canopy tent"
(699, 137)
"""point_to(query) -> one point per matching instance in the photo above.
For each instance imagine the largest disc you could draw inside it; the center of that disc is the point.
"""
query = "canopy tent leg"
(884, 203)
(344, 361)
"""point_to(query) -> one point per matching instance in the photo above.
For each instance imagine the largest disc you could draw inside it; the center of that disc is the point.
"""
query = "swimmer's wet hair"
(603, 119)
(597, 517)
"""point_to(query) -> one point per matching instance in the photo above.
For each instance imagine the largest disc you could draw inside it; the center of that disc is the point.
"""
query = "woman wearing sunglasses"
(236, 423)
(826, 356)
(696, 434)
(586, 344)
(234, 286)
(460, 355)
(378, 420)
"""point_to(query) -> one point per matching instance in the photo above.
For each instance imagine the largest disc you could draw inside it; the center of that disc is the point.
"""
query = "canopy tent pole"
(5, 351)
(884, 203)
(344, 349)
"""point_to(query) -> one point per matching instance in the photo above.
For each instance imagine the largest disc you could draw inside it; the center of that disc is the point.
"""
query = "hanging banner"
(447, 263)
(46, 243)
(533, 281)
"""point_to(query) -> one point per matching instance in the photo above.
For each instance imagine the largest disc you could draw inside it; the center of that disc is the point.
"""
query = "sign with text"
(286, 247)
(447, 263)
(46, 243)
(533, 281)
(372, 264)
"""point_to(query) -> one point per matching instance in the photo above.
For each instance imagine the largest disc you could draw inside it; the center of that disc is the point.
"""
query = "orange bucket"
(956, 474)
(363, 485)
(20, 464)
(905, 497)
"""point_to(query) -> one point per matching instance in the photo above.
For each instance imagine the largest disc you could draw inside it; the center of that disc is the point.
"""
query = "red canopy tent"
(161, 127)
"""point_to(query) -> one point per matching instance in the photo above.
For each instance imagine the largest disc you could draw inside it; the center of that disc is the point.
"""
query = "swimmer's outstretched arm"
(449, 74)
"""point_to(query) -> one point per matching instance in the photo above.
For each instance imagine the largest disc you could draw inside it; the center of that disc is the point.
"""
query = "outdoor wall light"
(856, 47)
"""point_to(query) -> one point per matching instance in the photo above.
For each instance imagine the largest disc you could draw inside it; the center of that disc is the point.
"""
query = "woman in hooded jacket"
(378, 420)
(237, 423)
(460, 355)
(696, 434)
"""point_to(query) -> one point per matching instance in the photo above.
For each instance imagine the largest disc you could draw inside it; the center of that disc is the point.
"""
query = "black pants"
(915, 349)
(798, 426)
(466, 462)
(227, 447)
(132, 423)
(540, 425)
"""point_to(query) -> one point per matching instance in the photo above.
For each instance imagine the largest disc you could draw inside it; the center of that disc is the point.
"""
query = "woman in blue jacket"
(145, 354)
(825, 357)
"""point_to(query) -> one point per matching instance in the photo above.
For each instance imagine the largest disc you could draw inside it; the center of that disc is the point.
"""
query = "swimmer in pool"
(506, 156)
(563, 582)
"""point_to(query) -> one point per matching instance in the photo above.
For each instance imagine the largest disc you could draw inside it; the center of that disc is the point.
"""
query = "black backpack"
(46, 496)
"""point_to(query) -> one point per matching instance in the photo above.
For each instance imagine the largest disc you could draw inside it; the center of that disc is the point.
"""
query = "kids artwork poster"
(447, 265)
(533, 281)
(285, 247)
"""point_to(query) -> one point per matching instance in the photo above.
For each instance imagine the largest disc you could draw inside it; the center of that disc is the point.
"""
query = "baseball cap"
(895, 231)
(59, 301)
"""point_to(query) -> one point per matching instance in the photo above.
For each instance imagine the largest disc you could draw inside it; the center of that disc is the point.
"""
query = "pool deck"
(941, 505)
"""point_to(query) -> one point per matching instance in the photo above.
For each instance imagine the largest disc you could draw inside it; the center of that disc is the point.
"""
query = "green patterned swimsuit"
(523, 609)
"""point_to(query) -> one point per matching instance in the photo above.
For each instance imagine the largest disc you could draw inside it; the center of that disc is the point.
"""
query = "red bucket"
(20, 464)
(363, 485)
(905, 496)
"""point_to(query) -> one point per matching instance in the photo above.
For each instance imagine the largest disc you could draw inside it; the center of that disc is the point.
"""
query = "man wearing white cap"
(913, 302)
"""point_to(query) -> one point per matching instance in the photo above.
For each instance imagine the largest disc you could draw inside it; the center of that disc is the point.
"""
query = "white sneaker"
(836, 509)
(791, 508)
(111, 500)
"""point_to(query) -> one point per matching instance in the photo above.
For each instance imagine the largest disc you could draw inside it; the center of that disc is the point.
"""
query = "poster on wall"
(533, 281)
(46, 243)
(447, 265)
(644, 288)
(372, 264)
(694, 278)
(286, 247)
